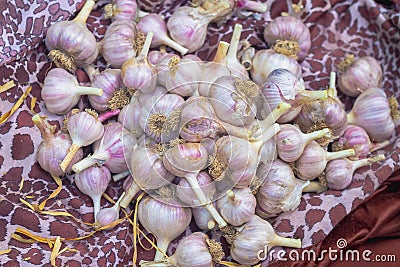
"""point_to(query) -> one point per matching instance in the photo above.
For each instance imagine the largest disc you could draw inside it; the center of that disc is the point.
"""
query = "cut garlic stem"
(84, 164)
(274, 115)
(332, 85)
(231, 196)
(235, 130)
(307, 95)
(233, 48)
(340, 154)
(96, 206)
(314, 186)
(169, 42)
(285, 242)
(121, 175)
(273, 130)
(146, 46)
(253, 6)
(142, 13)
(85, 90)
(162, 245)
(70, 155)
(221, 52)
(377, 146)
(191, 178)
(247, 58)
(364, 162)
(211, 225)
(84, 12)
(315, 135)
(130, 193)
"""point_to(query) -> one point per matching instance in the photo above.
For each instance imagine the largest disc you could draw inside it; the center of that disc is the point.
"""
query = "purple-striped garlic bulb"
(84, 129)
(166, 221)
(257, 235)
(339, 172)
(93, 182)
(357, 75)
(130, 116)
(54, 147)
(121, 10)
(375, 113)
(155, 23)
(314, 158)
(61, 91)
(289, 36)
(119, 42)
(137, 73)
(280, 190)
(203, 218)
(113, 150)
(70, 43)
(357, 138)
(237, 206)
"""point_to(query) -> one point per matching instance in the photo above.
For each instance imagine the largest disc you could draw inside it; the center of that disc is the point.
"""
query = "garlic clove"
(107, 216)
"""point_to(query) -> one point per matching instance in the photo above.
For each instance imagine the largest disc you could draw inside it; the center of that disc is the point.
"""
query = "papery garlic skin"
(267, 60)
(182, 78)
(166, 221)
(61, 91)
(70, 43)
(147, 168)
(372, 111)
(118, 44)
(362, 74)
(289, 29)
(110, 81)
(238, 206)
(280, 190)
(257, 235)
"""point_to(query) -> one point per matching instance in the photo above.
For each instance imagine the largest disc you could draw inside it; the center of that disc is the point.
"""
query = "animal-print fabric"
(361, 27)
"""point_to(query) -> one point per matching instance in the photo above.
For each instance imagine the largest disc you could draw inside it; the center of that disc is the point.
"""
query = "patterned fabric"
(361, 27)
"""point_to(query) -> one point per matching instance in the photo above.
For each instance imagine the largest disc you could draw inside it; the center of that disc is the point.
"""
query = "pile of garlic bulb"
(233, 142)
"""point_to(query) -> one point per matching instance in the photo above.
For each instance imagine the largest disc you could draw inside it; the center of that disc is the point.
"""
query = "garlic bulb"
(84, 129)
(113, 150)
(166, 221)
(93, 182)
(356, 76)
(257, 235)
(107, 216)
(267, 60)
(203, 218)
(54, 147)
(289, 36)
(185, 193)
(155, 23)
(375, 113)
(137, 73)
(290, 141)
(232, 99)
(119, 42)
(339, 172)
(159, 116)
(237, 206)
(147, 168)
(182, 76)
(314, 158)
(121, 10)
(130, 115)
(61, 91)
(357, 138)
(109, 81)
(280, 190)
(163, 67)
(70, 43)
(284, 86)
(187, 160)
